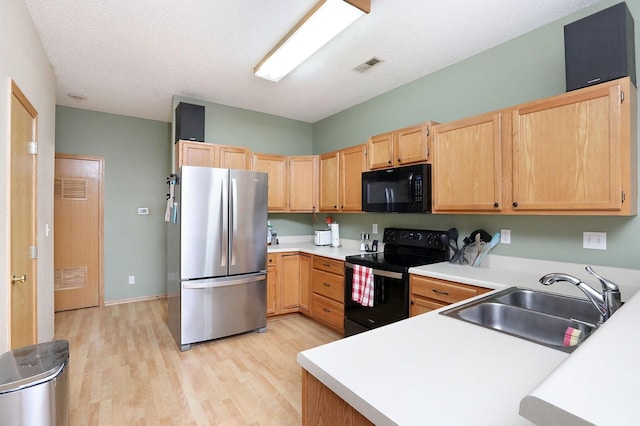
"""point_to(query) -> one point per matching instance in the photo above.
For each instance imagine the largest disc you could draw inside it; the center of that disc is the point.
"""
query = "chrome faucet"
(606, 303)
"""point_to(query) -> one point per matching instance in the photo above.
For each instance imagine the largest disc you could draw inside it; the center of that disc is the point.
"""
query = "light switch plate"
(594, 240)
(375, 228)
(505, 236)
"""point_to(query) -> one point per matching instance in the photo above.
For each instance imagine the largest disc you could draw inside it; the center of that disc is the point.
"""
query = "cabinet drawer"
(329, 265)
(441, 290)
(329, 285)
(272, 258)
(328, 311)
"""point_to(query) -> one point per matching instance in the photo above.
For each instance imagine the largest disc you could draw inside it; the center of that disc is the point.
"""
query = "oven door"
(391, 301)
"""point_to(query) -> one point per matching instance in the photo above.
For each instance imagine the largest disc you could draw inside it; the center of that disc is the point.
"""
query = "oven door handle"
(380, 273)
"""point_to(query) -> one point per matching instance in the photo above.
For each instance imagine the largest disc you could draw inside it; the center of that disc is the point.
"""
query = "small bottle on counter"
(269, 230)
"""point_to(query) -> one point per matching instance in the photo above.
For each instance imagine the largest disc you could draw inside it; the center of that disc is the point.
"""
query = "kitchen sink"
(536, 316)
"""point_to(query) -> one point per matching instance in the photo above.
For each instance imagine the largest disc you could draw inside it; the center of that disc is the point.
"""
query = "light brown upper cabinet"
(212, 155)
(400, 147)
(234, 157)
(303, 183)
(577, 153)
(341, 179)
(467, 165)
(276, 167)
(570, 154)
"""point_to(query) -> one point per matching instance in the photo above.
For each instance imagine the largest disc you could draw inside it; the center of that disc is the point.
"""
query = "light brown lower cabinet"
(327, 285)
(428, 294)
(283, 283)
(321, 406)
(305, 284)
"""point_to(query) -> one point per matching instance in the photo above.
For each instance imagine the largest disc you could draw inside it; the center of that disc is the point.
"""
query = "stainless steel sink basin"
(552, 304)
(536, 316)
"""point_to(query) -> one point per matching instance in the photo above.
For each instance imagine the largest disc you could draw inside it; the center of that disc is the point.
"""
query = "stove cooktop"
(404, 249)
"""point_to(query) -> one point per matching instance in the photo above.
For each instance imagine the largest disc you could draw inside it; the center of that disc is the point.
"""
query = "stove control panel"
(413, 237)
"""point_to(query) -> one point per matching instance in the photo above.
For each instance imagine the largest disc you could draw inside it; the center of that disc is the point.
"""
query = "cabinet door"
(567, 152)
(234, 157)
(305, 284)
(411, 145)
(380, 151)
(303, 183)
(329, 181)
(352, 164)
(419, 305)
(272, 285)
(289, 282)
(467, 166)
(275, 166)
(195, 154)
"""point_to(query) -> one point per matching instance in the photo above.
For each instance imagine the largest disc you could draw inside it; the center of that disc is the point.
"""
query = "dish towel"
(362, 285)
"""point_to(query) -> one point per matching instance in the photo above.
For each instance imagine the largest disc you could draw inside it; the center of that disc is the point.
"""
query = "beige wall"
(23, 60)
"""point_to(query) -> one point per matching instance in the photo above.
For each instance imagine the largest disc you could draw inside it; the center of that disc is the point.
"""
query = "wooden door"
(411, 145)
(303, 183)
(276, 167)
(78, 231)
(329, 181)
(380, 151)
(353, 162)
(567, 152)
(23, 221)
(467, 164)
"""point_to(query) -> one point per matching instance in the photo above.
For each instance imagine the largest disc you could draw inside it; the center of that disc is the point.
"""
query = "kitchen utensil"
(453, 237)
(484, 236)
(487, 247)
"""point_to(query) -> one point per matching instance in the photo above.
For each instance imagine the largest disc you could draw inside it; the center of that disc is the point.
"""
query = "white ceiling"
(129, 57)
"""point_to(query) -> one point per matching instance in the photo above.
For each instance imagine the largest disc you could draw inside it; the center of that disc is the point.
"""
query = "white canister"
(335, 235)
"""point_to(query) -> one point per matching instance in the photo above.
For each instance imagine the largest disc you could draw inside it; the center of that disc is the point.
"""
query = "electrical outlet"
(375, 228)
(594, 240)
(132, 279)
(143, 210)
(505, 236)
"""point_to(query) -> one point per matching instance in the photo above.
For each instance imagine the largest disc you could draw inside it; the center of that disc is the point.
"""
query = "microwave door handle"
(389, 197)
(410, 186)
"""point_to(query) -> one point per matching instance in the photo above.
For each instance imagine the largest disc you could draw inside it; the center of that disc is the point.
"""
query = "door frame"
(100, 160)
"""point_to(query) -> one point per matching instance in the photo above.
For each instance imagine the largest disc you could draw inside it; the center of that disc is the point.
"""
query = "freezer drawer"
(214, 308)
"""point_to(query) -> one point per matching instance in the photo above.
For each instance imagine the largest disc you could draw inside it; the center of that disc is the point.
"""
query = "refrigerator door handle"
(234, 218)
(224, 282)
(224, 217)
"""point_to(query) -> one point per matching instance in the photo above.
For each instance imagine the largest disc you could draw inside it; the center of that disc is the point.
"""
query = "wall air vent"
(367, 65)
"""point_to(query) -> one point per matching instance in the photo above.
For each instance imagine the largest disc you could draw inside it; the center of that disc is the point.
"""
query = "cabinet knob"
(399, 160)
(335, 207)
(389, 161)
(515, 204)
(413, 303)
(496, 205)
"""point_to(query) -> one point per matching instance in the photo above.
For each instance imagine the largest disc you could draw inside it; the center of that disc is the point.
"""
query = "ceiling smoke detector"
(367, 65)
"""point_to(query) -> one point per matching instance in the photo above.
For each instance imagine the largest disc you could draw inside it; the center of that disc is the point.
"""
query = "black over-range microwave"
(399, 190)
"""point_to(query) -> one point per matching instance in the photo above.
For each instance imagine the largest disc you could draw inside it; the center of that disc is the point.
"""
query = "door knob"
(21, 279)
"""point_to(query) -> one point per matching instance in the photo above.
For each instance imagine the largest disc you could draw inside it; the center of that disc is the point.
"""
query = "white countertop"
(445, 371)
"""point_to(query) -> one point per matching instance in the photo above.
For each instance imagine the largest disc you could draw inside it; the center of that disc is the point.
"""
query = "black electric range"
(403, 249)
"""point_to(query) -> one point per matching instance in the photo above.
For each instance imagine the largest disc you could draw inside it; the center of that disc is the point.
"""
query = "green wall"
(136, 162)
(524, 69)
(138, 156)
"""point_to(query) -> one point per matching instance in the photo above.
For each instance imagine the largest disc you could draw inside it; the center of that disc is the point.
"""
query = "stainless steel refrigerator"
(217, 254)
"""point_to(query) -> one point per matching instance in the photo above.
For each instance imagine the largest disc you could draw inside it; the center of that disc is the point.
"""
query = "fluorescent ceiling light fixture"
(322, 23)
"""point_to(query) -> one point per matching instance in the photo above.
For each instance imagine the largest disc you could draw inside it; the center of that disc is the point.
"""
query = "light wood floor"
(126, 369)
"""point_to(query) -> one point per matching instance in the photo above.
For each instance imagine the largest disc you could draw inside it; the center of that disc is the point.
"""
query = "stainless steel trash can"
(34, 385)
